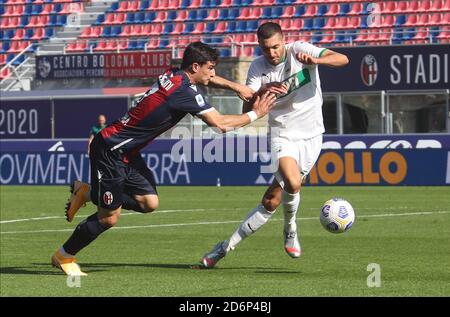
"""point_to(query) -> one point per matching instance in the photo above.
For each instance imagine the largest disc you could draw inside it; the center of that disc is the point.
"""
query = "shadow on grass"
(28, 271)
(37, 268)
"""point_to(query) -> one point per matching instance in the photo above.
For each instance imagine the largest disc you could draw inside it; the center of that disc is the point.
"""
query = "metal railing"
(17, 73)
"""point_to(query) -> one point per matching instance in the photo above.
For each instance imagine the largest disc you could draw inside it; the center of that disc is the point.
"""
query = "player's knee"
(110, 221)
(150, 204)
(270, 202)
(292, 185)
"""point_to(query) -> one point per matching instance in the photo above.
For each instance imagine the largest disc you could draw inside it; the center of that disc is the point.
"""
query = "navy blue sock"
(87, 231)
(130, 204)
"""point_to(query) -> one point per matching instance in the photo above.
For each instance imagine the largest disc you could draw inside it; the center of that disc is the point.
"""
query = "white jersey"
(297, 114)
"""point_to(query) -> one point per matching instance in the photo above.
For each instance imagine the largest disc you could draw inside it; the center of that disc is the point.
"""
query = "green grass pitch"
(406, 230)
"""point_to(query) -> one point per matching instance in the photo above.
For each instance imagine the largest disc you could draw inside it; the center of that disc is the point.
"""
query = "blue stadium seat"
(139, 17)
(185, 4)
(140, 44)
(5, 46)
(257, 51)
(37, 8)
(231, 27)
(24, 20)
(57, 7)
(168, 28)
(241, 26)
(114, 6)
(401, 19)
(28, 9)
(299, 11)
(100, 19)
(144, 4)
(252, 26)
(172, 15)
(323, 9)
(132, 44)
(10, 57)
(150, 16)
(223, 14)
(130, 18)
(225, 52)
(234, 14)
(202, 14)
(29, 33)
(49, 32)
(210, 27)
(19, 60)
(106, 31)
(163, 43)
(344, 9)
(308, 24)
(116, 30)
(317, 37)
(189, 28)
(8, 34)
(62, 20)
(267, 13)
(53, 20)
(318, 23)
(277, 12)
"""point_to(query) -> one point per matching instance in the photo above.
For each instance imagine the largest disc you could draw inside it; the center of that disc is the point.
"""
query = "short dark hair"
(199, 52)
(267, 30)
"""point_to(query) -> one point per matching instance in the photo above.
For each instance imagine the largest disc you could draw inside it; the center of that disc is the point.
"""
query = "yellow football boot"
(67, 265)
(78, 199)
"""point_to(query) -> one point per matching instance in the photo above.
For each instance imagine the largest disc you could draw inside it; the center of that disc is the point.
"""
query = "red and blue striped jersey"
(161, 107)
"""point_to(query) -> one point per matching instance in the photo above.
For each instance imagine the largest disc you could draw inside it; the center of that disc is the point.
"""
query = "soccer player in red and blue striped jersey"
(119, 175)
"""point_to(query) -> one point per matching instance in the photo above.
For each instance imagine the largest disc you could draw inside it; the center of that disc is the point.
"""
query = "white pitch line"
(122, 214)
(171, 211)
(230, 222)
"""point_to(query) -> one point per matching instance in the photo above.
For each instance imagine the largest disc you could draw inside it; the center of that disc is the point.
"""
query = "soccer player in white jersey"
(296, 128)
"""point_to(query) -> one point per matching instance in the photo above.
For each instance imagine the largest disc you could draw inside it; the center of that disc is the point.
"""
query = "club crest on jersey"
(200, 100)
(369, 70)
(108, 198)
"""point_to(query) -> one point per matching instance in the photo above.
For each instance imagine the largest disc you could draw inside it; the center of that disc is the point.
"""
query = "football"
(337, 215)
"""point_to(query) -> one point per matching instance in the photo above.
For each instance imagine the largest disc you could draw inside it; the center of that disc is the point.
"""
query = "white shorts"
(305, 152)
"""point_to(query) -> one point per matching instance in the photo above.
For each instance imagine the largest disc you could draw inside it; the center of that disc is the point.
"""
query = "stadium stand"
(27, 25)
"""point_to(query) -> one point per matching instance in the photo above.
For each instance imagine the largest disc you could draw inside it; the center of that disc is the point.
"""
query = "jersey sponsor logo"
(200, 100)
(108, 198)
(296, 81)
(369, 70)
(165, 82)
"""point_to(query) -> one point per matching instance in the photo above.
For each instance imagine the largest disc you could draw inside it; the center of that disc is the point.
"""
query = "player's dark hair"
(200, 53)
(267, 30)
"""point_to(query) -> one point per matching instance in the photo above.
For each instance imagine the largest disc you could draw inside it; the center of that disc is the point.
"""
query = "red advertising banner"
(136, 64)
(103, 65)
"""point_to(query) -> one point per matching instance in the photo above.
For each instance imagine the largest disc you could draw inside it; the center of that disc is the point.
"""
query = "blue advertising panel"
(75, 117)
(25, 119)
(402, 67)
(384, 160)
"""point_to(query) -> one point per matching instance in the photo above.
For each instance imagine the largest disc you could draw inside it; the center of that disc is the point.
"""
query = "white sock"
(255, 219)
(290, 207)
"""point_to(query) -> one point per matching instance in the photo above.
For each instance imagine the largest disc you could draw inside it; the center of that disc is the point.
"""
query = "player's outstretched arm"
(276, 88)
(261, 106)
(329, 58)
(244, 92)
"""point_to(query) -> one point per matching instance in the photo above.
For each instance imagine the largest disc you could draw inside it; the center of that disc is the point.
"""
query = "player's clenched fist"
(306, 59)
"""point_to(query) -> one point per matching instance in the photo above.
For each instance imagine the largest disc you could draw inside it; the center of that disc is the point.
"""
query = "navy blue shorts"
(111, 177)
